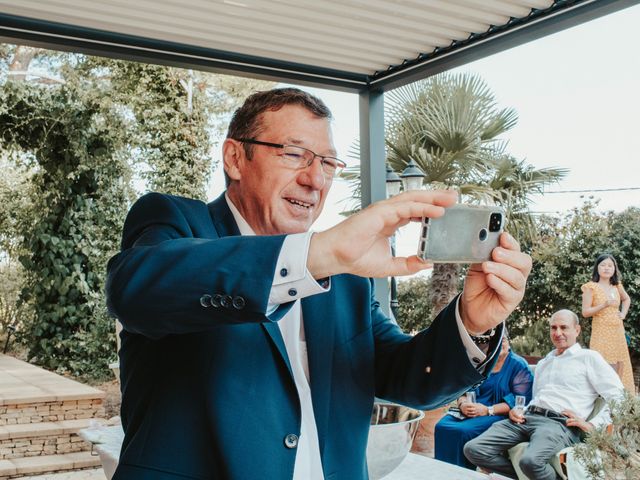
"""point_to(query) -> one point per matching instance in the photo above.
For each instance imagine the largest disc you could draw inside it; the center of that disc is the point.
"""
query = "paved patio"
(21, 382)
(81, 475)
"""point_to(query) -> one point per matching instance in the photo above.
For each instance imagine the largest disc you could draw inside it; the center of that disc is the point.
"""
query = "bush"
(414, 309)
(617, 452)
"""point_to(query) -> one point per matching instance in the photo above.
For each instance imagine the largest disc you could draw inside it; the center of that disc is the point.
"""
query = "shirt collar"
(572, 350)
(243, 226)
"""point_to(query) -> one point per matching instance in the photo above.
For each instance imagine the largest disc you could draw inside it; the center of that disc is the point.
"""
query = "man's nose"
(313, 176)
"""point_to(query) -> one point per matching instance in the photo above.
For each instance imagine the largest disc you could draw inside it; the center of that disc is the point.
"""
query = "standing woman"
(601, 299)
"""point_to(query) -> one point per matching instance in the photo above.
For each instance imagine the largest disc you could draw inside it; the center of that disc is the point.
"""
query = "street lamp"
(393, 182)
(411, 178)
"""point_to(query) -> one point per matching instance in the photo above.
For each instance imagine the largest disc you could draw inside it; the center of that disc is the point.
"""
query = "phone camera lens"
(495, 222)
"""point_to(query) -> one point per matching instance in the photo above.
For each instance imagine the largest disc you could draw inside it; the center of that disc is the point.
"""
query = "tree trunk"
(443, 285)
(21, 61)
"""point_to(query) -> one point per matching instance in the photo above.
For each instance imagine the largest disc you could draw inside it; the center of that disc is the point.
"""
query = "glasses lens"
(331, 166)
(297, 157)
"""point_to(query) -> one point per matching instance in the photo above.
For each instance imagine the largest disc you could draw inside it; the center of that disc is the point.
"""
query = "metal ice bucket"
(390, 437)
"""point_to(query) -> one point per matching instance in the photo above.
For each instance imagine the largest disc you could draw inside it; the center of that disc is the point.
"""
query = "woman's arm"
(625, 301)
(587, 309)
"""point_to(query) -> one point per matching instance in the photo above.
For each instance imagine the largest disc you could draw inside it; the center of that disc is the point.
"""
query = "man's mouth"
(299, 203)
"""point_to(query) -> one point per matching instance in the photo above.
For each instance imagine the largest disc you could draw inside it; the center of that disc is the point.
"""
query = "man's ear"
(233, 156)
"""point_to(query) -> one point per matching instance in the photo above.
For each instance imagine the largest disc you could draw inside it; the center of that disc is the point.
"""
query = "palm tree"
(450, 126)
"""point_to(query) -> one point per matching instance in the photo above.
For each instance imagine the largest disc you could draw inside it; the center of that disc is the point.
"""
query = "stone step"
(46, 438)
(19, 467)
(29, 394)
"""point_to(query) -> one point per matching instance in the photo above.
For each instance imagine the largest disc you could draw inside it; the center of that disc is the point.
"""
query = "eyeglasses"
(300, 157)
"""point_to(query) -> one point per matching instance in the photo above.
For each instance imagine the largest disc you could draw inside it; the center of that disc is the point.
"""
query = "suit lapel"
(226, 226)
(319, 315)
(222, 218)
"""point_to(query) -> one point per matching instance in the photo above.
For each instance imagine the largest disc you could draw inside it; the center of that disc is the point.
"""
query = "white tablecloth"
(419, 467)
(108, 439)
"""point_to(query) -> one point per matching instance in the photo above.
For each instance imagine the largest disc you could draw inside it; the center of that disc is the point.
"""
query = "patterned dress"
(607, 332)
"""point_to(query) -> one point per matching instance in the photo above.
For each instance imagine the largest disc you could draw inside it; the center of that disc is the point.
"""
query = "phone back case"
(461, 235)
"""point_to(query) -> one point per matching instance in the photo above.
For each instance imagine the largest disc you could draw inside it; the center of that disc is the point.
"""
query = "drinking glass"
(471, 397)
(520, 402)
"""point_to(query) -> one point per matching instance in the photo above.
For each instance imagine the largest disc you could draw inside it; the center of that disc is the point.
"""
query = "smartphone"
(456, 413)
(464, 234)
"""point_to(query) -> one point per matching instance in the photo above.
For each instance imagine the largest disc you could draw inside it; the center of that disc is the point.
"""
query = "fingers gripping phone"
(464, 234)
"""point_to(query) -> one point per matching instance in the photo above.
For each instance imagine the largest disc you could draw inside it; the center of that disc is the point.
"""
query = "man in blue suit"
(253, 348)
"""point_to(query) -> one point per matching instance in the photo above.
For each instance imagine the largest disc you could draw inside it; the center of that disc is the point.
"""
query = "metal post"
(372, 166)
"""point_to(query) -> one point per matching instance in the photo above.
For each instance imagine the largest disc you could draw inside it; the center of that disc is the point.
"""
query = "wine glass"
(471, 397)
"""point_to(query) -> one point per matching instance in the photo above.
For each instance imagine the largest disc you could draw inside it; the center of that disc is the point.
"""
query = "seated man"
(565, 388)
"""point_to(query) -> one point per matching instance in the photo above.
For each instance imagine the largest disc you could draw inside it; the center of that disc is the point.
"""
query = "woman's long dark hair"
(615, 278)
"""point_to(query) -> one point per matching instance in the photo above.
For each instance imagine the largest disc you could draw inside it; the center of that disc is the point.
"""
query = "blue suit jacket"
(208, 391)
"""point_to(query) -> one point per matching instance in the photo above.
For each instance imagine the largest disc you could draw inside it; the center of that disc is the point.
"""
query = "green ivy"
(74, 136)
(80, 144)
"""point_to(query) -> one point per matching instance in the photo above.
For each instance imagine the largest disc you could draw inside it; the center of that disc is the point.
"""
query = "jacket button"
(291, 441)
(226, 301)
(293, 292)
(284, 272)
(205, 301)
(238, 303)
(215, 300)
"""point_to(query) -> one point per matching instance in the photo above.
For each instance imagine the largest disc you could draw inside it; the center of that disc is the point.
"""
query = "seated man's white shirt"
(293, 261)
(573, 381)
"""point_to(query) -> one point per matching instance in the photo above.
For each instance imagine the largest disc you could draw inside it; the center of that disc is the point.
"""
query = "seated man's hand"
(493, 289)
(516, 415)
(575, 421)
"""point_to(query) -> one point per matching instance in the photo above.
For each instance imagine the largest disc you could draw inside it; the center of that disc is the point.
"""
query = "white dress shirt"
(291, 273)
(573, 381)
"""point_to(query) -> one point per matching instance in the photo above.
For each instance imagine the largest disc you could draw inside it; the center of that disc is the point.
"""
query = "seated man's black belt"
(546, 413)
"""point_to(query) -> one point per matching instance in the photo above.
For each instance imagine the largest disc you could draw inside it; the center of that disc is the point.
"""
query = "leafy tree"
(83, 127)
(563, 259)
(176, 113)
(75, 137)
(414, 309)
(450, 126)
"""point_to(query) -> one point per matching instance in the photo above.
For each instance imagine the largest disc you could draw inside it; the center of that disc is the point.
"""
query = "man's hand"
(360, 244)
(493, 289)
(516, 415)
(473, 409)
(575, 421)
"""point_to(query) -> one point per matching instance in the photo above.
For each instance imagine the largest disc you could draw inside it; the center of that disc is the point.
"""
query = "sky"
(577, 95)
